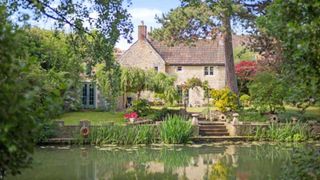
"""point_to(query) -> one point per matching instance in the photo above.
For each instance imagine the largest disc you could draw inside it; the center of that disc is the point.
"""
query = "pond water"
(211, 161)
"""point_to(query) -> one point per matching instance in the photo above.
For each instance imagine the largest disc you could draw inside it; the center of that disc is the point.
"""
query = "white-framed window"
(179, 68)
(156, 68)
(208, 70)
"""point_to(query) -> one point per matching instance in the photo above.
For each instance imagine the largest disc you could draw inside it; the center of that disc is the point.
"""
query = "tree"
(18, 94)
(245, 71)
(295, 26)
(136, 80)
(27, 89)
(267, 92)
(202, 19)
(55, 55)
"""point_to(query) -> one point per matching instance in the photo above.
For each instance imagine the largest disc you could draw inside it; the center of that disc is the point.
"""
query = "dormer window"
(208, 70)
(179, 68)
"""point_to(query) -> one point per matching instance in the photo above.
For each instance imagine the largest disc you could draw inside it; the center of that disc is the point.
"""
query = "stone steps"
(206, 133)
(213, 126)
(214, 130)
(208, 128)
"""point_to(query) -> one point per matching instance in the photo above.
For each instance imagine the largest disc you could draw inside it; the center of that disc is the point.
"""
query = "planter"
(131, 120)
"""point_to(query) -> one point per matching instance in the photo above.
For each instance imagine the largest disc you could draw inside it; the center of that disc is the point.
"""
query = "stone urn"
(235, 119)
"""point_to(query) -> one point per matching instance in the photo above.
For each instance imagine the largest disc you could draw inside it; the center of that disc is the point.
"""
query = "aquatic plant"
(284, 132)
(175, 130)
(123, 135)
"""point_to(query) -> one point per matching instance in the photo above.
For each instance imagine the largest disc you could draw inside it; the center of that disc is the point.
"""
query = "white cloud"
(140, 14)
(144, 14)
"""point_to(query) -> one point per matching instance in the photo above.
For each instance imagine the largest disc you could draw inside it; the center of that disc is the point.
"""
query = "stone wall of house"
(196, 97)
(142, 55)
(217, 80)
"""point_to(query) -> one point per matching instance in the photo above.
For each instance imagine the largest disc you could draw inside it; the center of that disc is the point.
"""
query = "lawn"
(96, 118)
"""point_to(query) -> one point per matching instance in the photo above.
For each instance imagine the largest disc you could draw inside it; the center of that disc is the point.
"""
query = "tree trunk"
(231, 80)
(138, 95)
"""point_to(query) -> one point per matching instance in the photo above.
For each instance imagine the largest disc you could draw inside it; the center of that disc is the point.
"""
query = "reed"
(284, 132)
(175, 130)
(123, 135)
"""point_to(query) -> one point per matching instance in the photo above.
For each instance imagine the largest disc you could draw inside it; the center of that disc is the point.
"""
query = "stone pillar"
(195, 120)
(195, 124)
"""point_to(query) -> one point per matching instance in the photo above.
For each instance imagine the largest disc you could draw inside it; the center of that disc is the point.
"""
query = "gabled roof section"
(202, 52)
(140, 52)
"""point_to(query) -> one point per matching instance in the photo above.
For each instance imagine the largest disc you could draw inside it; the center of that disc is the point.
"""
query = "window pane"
(211, 70)
(91, 94)
(84, 94)
(206, 71)
(179, 68)
(156, 68)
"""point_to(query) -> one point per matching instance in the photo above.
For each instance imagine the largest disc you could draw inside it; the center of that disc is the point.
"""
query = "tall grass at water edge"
(175, 130)
(124, 135)
(284, 132)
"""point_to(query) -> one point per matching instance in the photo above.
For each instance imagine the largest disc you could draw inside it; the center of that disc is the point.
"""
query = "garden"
(267, 116)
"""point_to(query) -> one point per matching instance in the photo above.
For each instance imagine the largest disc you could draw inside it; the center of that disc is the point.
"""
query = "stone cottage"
(204, 60)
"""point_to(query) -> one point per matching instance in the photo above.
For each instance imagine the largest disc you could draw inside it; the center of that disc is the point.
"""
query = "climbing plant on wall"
(195, 83)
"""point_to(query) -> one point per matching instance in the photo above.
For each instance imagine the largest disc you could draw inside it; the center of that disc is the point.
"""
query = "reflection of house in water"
(200, 166)
(193, 167)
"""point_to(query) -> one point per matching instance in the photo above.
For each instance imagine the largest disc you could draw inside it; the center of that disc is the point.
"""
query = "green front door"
(88, 96)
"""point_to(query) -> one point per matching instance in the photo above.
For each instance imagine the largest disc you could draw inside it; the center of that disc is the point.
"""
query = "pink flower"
(133, 115)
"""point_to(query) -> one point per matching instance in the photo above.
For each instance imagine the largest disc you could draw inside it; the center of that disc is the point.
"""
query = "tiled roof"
(202, 52)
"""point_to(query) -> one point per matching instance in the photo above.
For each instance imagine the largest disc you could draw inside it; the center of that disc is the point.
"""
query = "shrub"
(46, 131)
(245, 71)
(175, 130)
(284, 133)
(141, 106)
(267, 93)
(224, 99)
(161, 114)
(245, 100)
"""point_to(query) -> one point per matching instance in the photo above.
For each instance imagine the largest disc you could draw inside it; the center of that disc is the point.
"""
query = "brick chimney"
(142, 31)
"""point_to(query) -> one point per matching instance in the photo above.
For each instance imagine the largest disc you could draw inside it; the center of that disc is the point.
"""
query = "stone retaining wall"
(72, 131)
(250, 128)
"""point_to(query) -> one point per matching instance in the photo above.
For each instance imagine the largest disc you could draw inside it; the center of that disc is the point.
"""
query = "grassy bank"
(96, 118)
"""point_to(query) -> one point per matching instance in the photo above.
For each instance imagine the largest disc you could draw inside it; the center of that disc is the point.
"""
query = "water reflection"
(215, 161)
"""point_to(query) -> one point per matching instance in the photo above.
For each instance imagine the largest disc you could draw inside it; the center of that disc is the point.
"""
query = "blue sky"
(145, 10)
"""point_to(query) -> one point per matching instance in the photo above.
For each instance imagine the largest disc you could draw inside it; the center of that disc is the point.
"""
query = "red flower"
(131, 115)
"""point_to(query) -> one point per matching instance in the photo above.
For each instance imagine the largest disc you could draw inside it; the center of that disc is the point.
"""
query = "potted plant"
(131, 116)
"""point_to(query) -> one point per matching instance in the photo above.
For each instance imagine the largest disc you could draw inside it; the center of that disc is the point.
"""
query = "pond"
(210, 161)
